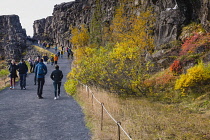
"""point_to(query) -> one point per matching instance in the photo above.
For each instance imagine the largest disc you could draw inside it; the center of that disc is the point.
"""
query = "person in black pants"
(40, 72)
(57, 76)
(22, 69)
(35, 63)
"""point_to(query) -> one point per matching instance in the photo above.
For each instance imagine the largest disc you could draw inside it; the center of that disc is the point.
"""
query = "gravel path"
(25, 117)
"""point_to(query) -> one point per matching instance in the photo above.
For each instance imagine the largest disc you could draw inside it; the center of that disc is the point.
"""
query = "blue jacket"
(40, 70)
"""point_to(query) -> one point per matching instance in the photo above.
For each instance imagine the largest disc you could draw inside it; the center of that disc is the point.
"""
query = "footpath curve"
(25, 117)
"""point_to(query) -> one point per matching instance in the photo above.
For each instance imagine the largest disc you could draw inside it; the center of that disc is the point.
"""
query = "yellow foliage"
(118, 65)
(70, 86)
(80, 37)
(194, 76)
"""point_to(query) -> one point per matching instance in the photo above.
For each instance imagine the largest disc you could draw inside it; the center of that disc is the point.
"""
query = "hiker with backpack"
(40, 72)
(57, 76)
(22, 69)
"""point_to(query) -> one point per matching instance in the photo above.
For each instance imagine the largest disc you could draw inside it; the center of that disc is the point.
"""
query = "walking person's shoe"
(55, 98)
(13, 87)
(58, 97)
(10, 87)
(24, 88)
(39, 97)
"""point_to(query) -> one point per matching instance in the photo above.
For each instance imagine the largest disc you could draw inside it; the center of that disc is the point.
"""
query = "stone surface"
(172, 15)
(56, 28)
(12, 37)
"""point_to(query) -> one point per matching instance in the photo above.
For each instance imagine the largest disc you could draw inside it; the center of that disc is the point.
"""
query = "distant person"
(56, 59)
(40, 72)
(22, 69)
(35, 63)
(69, 53)
(62, 47)
(58, 53)
(13, 74)
(56, 48)
(62, 52)
(57, 76)
(45, 58)
(52, 59)
(31, 63)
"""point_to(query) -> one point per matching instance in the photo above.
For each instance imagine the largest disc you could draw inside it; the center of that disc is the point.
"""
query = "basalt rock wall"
(171, 16)
(12, 37)
(57, 27)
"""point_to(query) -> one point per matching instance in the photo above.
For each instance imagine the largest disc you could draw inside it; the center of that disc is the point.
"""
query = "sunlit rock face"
(57, 28)
(12, 37)
(171, 16)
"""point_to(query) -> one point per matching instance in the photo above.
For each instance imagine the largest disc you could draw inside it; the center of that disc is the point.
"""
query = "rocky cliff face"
(12, 37)
(172, 15)
(56, 28)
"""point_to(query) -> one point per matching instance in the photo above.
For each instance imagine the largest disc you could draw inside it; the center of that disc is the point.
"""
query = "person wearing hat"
(56, 76)
(22, 69)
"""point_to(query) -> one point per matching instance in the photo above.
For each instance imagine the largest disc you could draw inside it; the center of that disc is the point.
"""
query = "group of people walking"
(40, 70)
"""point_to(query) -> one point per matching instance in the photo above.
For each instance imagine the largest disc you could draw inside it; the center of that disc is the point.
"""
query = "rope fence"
(102, 114)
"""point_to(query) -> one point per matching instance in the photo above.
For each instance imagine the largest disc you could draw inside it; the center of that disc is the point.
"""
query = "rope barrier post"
(92, 100)
(87, 89)
(102, 115)
(118, 125)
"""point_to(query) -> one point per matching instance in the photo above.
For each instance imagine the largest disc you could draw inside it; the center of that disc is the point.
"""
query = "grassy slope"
(144, 119)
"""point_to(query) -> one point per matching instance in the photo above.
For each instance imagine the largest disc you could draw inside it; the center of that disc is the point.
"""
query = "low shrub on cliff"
(117, 66)
(195, 77)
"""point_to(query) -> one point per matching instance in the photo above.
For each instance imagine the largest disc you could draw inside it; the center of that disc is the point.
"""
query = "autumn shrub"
(117, 66)
(190, 29)
(4, 74)
(194, 77)
(176, 67)
(161, 79)
(71, 86)
(192, 43)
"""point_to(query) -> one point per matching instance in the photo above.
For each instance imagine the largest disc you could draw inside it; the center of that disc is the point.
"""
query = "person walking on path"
(35, 63)
(56, 59)
(56, 76)
(56, 48)
(62, 52)
(45, 58)
(40, 72)
(13, 74)
(31, 63)
(52, 59)
(22, 69)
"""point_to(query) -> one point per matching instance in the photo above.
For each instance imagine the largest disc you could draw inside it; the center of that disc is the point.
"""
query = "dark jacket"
(45, 58)
(13, 70)
(40, 67)
(35, 63)
(56, 75)
(22, 68)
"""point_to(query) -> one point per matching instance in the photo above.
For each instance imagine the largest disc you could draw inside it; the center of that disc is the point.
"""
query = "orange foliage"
(160, 80)
(176, 67)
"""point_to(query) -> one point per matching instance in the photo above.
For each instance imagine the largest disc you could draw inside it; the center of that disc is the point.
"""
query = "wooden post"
(118, 125)
(102, 115)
